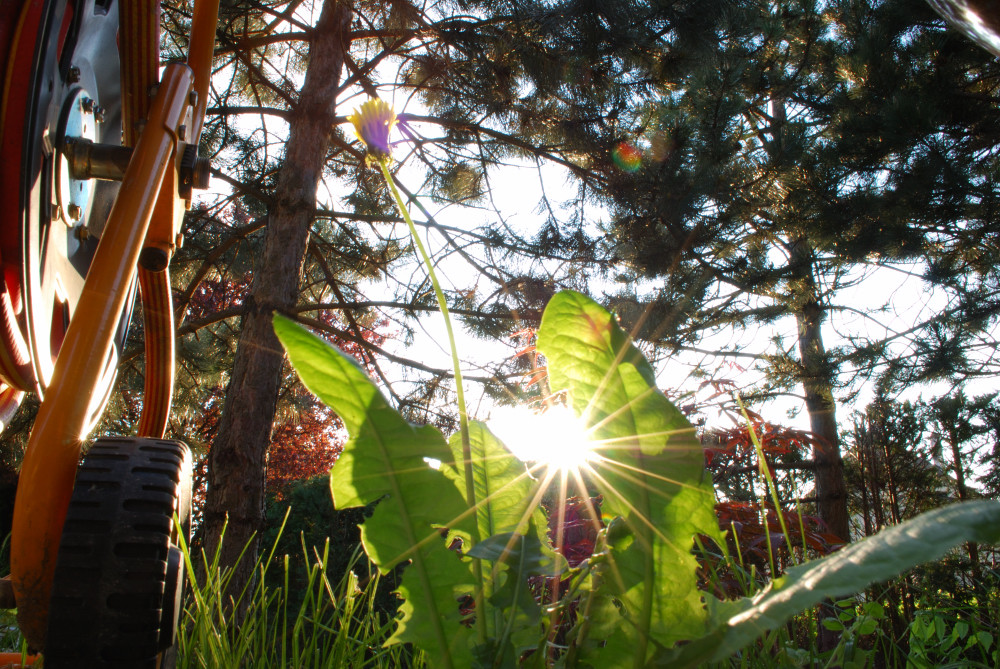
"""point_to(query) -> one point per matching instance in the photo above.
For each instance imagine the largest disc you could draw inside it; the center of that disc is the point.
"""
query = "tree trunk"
(238, 456)
(867, 484)
(817, 381)
(954, 442)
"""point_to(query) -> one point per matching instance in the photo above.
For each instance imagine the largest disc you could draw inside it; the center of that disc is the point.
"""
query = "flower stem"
(463, 416)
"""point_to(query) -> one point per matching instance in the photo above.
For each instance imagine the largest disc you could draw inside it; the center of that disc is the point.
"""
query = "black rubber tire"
(119, 578)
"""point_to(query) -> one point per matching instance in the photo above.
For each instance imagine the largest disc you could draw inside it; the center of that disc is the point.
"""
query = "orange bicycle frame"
(146, 214)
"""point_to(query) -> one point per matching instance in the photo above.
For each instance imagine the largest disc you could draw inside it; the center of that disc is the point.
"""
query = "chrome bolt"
(87, 104)
(182, 133)
(75, 213)
(81, 232)
(47, 147)
(99, 113)
(73, 76)
(193, 99)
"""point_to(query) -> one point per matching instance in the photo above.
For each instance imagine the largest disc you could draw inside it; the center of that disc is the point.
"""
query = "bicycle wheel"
(62, 81)
(119, 578)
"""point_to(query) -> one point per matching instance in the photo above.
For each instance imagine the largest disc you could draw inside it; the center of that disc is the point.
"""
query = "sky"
(883, 302)
(890, 301)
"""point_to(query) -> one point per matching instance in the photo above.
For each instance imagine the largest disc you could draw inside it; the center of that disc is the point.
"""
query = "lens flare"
(555, 438)
(627, 157)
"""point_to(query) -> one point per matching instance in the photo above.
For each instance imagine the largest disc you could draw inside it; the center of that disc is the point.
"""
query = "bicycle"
(96, 572)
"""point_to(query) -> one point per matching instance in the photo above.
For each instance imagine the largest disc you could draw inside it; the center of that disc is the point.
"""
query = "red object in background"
(574, 538)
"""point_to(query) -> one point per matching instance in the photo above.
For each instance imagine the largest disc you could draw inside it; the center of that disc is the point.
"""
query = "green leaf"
(522, 558)
(516, 558)
(384, 460)
(867, 626)
(508, 547)
(507, 497)
(833, 625)
(875, 610)
(651, 473)
(851, 569)
(485, 656)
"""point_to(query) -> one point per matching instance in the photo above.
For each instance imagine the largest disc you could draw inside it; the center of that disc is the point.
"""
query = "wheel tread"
(109, 595)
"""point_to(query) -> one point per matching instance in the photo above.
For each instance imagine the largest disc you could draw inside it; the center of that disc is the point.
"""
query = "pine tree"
(808, 145)
(892, 474)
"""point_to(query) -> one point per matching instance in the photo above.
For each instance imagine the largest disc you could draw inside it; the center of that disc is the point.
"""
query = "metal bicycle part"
(118, 588)
(68, 86)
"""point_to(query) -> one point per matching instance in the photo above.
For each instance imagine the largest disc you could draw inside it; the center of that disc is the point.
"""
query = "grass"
(314, 625)
(336, 624)
(296, 614)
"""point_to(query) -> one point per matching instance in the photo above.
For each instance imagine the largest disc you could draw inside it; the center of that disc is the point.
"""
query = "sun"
(555, 438)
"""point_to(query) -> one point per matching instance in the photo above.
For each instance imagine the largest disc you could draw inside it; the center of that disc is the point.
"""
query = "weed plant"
(327, 624)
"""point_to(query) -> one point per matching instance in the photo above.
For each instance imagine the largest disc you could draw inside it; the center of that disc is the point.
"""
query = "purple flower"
(372, 122)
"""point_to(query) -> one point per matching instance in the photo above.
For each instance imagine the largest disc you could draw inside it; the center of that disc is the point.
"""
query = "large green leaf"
(651, 473)
(878, 558)
(507, 497)
(385, 460)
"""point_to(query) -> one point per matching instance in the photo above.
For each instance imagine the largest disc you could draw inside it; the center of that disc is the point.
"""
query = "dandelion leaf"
(507, 496)
(651, 474)
(517, 559)
(509, 517)
(384, 460)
